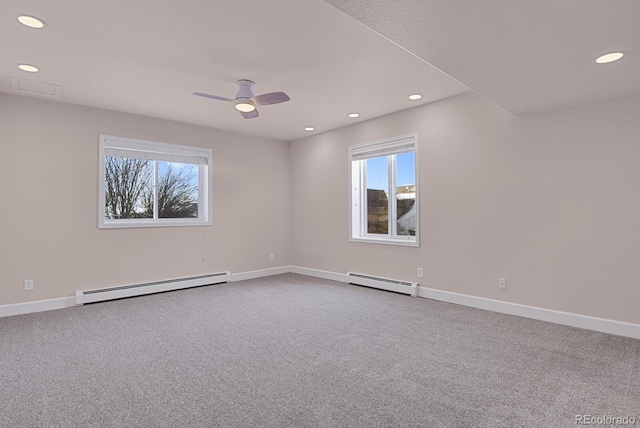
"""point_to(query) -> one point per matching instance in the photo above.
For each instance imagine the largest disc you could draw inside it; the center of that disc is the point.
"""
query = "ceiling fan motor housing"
(245, 90)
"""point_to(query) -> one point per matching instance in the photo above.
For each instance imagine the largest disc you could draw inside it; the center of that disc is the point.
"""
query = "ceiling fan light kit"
(245, 106)
(246, 102)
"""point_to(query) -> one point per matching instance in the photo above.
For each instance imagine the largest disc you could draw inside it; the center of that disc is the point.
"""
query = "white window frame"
(357, 195)
(154, 150)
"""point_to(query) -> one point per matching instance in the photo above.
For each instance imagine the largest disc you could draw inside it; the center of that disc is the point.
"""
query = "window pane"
(377, 185)
(127, 186)
(177, 190)
(152, 184)
(406, 193)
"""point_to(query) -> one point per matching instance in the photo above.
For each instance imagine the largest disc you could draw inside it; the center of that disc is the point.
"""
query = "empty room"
(307, 213)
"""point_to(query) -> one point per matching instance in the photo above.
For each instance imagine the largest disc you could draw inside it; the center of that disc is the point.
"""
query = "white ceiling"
(148, 56)
(523, 55)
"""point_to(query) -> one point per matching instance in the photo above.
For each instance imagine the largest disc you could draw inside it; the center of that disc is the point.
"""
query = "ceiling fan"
(246, 102)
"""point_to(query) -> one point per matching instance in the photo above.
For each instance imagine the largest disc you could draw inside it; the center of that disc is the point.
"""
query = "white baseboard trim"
(260, 273)
(37, 306)
(333, 276)
(603, 325)
(68, 302)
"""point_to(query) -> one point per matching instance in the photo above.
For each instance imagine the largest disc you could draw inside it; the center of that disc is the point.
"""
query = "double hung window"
(384, 194)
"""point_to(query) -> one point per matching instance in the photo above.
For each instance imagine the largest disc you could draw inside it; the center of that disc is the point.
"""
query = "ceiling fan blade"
(213, 97)
(250, 115)
(270, 98)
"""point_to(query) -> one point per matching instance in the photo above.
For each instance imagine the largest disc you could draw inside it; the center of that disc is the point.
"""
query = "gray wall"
(49, 203)
(549, 200)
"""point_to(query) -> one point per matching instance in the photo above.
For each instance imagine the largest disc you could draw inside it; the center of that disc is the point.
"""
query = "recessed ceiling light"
(309, 128)
(415, 97)
(28, 68)
(610, 57)
(31, 21)
(353, 115)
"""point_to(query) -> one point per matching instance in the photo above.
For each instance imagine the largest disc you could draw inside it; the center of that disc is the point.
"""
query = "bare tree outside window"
(126, 182)
(177, 191)
(129, 189)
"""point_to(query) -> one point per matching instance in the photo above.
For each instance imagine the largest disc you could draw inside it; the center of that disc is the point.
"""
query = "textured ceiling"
(522, 55)
(148, 56)
(332, 57)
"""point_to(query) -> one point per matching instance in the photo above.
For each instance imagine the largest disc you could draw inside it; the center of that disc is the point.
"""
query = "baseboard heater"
(403, 287)
(90, 296)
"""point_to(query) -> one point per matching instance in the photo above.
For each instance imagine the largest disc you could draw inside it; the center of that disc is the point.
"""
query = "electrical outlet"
(420, 272)
(271, 257)
(502, 283)
(28, 284)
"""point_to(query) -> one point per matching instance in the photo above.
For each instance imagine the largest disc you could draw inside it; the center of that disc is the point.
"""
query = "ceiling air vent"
(33, 88)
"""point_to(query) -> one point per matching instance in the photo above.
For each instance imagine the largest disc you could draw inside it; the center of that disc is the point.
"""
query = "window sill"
(142, 223)
(387, 241)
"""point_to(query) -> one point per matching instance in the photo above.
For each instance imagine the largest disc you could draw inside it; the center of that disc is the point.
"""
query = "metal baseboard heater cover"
(395, 285)
(100, 295)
